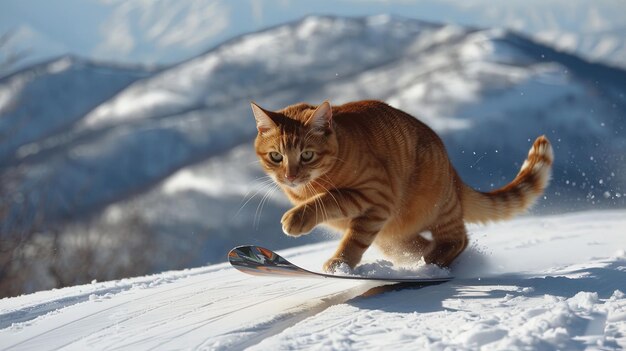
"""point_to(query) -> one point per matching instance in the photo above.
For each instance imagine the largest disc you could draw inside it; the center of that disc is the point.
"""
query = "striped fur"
(383, 178)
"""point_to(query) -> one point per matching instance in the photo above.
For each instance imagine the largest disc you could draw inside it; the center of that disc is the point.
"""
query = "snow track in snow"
(203, 309)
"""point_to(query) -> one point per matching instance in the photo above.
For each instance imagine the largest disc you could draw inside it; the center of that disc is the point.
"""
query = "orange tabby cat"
(382, 177)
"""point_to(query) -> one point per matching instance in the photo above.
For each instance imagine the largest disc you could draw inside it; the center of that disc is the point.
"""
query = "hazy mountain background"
(167, 31)
(121, 169)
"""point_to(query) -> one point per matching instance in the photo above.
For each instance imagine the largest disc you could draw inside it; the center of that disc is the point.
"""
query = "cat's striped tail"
(517, 196)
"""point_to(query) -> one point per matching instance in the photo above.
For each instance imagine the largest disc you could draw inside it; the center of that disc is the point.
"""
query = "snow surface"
(541, 283)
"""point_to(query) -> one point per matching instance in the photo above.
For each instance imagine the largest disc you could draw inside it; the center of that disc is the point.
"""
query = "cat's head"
(297, 144)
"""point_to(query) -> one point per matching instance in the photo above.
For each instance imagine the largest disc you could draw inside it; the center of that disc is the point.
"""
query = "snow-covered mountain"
(167, 31)
(592, 30)
(516, 288)
(175, 149)
(47, 99)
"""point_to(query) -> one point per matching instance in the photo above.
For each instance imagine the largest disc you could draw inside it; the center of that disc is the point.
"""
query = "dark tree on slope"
(106, 250)
(16, 226)
(33, 258)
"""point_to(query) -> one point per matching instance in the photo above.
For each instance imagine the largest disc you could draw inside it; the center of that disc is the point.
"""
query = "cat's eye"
(306, 156)
(276, 157)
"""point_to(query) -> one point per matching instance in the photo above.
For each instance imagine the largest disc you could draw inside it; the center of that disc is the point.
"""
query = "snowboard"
(259, 261)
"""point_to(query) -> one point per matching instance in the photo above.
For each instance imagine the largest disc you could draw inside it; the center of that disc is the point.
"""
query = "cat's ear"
(263, 120)
(322, 118)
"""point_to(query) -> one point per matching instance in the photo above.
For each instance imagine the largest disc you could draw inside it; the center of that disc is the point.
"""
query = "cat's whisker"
(267, 188)
(329, 192)
(324, 205)
(263, 185)
(317, 198)
(309, 187)
(322, 208)
(262, 180)
(269, 195)
(259, 208)
(245, 202)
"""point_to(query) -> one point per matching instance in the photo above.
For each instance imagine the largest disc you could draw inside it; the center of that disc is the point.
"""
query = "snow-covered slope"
(487, 92)
(549, 283)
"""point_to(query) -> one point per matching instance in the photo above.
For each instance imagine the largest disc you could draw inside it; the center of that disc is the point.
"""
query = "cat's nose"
(290, 177)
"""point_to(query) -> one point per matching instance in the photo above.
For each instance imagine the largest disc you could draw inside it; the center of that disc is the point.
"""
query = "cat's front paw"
(298, 221)
(336, 263)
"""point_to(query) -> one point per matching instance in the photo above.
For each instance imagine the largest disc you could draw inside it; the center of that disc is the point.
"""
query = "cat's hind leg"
(449, 240)
(405, 251)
